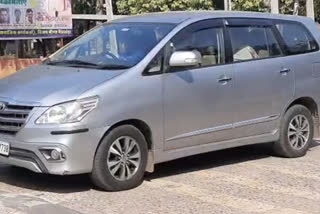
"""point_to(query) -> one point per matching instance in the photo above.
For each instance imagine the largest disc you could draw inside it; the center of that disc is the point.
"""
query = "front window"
(208, 42)
(112, 46)
(205, 39)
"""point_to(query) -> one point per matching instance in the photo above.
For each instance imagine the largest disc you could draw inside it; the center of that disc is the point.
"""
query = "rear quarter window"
(297, 38)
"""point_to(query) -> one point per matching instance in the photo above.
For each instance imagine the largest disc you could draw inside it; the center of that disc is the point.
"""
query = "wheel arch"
(145, 129)
(310, 104)
(140, 125)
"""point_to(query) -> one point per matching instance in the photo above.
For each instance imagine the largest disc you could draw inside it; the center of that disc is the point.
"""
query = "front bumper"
(78, 147)
(25, 159)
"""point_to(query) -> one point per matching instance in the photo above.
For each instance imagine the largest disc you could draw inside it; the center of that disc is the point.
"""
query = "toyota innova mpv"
(152, 88)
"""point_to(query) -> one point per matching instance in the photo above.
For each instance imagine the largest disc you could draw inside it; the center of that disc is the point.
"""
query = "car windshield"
(112, 46)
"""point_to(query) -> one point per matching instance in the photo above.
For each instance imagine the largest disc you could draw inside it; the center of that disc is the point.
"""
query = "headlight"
(68, 112)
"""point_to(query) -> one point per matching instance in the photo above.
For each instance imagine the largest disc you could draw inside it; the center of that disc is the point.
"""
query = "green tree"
(287, 7)
(132, 7)
(250, 5)
(317, 10)
(84, 6)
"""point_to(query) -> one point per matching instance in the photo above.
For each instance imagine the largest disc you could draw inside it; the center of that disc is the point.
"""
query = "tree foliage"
(286, 7)
(84, 6)
(250, 5)
(317, 10)
(132, 7)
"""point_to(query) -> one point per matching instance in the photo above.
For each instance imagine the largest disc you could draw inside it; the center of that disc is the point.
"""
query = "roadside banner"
(27, 19)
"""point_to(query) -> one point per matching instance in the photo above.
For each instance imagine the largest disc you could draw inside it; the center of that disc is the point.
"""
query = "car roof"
(181, 16)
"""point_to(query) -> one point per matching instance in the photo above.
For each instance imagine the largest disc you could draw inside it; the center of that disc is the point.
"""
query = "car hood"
(48, 85)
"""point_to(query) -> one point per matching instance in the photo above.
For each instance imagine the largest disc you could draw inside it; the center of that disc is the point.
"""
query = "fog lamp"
(53, 154)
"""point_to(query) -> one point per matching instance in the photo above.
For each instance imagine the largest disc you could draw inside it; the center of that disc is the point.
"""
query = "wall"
(10, 66)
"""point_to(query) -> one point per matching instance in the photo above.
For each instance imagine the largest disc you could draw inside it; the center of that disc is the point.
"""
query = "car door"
(263, 83)
(303, 56)
(198, 100)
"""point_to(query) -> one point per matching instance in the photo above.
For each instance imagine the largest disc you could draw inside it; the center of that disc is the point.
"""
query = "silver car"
(148, 89)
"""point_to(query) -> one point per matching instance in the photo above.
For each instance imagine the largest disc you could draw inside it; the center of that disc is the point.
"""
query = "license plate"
(4, 148)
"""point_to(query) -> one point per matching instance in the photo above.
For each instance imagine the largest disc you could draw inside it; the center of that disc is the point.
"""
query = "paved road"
(246, 180)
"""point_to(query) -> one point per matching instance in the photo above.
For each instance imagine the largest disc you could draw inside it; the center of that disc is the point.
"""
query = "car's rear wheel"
(296, 132)
(120, 160)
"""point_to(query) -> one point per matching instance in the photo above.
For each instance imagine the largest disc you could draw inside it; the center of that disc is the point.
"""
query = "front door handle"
(285, 71)
(224, 80)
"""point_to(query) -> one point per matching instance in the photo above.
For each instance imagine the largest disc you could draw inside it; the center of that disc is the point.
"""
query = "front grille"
(12, 118)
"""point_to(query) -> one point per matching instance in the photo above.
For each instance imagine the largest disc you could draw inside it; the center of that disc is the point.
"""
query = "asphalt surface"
(246, 180)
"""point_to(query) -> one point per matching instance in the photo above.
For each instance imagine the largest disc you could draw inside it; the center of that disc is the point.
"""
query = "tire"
(105, 174)
(291, 143)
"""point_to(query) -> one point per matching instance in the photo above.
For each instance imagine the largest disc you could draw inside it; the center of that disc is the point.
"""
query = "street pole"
(109, 9)
(227, 5)
(17, 47)
(310, 9)
(274, 6)
(230, 5)
(99, 7)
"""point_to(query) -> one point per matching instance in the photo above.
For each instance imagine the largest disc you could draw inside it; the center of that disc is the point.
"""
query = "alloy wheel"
(124, 157)
(298, 132)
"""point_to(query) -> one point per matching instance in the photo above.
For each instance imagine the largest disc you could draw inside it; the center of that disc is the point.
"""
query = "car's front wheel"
(120, 160)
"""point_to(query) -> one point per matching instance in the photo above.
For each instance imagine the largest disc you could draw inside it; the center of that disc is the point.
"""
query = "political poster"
(27, 19)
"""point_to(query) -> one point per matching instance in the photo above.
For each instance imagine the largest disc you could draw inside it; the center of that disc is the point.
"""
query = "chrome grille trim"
(13, 111)
(10, 119)
(13, 118)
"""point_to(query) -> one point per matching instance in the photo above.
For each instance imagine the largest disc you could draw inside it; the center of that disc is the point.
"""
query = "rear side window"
(253, 42)
(297, 38)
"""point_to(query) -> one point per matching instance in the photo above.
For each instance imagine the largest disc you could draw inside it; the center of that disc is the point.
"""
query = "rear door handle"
(285, 71)
(224, 79)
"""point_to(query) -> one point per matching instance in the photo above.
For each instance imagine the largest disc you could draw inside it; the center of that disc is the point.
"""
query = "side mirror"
(185, 59)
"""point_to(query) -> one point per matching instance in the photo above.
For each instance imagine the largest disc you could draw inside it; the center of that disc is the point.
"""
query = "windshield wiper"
(112, 66)
(79, 63)
(71, 62)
